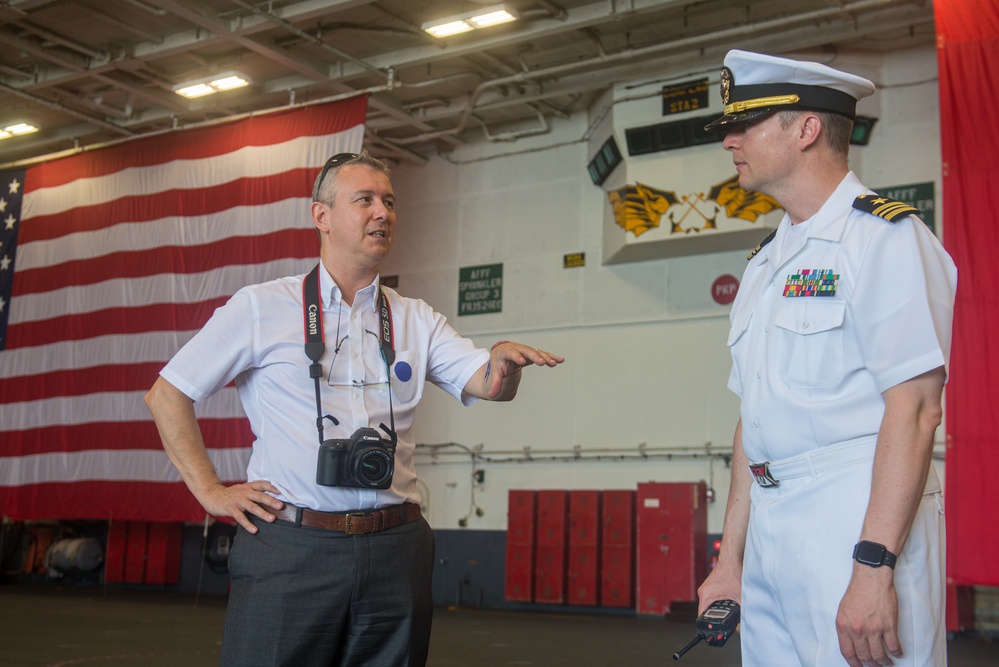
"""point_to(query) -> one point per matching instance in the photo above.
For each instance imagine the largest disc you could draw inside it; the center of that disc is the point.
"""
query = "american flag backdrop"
(110, 260)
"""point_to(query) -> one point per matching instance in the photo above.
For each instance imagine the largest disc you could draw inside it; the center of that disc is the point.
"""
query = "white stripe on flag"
(100, 351)
(247, 162)
(162, 288)
(124, 406)
(122, 465)
(241, 221)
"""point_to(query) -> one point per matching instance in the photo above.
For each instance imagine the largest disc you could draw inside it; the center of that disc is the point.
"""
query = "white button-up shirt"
(257, 339)
(810, 370)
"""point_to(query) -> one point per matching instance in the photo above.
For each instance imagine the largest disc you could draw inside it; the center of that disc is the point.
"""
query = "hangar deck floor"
(53, 626)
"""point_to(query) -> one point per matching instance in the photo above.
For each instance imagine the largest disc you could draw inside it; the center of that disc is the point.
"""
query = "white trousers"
(798, 564)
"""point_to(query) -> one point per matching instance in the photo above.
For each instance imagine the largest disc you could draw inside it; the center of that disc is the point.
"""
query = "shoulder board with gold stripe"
(765, 241)
(889, 209)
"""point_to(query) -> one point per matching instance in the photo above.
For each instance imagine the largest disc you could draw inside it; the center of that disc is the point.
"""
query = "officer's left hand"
(867, 621)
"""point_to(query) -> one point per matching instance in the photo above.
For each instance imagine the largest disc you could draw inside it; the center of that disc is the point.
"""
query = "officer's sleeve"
(903, 302)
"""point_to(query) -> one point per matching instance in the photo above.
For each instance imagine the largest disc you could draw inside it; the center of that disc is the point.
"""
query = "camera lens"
(373, 468)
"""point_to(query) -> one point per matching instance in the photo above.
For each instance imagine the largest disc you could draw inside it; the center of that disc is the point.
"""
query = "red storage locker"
(617, 548)
(672, 521)
(521, 518)
(584, 547)
(551, 551)
(519, 573)
(552, 517)
(550, 574)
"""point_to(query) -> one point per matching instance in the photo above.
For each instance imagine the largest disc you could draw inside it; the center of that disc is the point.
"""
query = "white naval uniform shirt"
(257, 339)
(810, 370)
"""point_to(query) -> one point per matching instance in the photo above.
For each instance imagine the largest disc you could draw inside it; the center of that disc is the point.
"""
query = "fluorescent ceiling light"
(449, 28)
(482, 18)
(211, 84)
(14, 130)
(492, 18)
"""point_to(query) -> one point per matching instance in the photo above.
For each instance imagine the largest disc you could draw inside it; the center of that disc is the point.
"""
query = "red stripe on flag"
(141, 319)
(82, 381)
(218, 433)
(293, 243)
(202, 143)
(101, 499)
(171, 203)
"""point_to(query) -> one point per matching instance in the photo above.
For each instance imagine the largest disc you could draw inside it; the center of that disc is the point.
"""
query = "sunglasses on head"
(333, 163)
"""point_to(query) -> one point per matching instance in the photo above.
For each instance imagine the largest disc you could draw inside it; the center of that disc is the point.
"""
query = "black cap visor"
(721, 124)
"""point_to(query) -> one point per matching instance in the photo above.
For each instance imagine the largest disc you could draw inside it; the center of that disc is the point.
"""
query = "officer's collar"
(829, 222)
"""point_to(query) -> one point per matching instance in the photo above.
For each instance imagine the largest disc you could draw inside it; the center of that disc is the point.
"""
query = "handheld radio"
(714, 626)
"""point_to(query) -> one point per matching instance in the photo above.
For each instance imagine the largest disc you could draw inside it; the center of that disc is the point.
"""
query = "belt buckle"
(761, 472)
(347, 524)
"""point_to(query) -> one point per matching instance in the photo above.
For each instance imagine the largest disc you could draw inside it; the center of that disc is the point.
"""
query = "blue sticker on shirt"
(404, 371)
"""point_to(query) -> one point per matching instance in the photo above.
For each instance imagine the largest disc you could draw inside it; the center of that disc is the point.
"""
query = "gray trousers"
(311, 597)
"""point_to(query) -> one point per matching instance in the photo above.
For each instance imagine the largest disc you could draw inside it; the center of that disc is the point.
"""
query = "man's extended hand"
(506, 359)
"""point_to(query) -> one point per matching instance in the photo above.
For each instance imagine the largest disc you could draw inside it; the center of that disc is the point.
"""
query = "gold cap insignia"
(726, 84)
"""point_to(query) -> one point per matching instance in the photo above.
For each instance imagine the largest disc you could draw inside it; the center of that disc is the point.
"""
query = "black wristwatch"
(873, 554)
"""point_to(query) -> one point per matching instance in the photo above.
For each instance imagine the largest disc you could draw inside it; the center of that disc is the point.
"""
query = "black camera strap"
(315, 344)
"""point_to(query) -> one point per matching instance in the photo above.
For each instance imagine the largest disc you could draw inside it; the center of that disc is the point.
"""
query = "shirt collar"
(829, 222)
(331, 293)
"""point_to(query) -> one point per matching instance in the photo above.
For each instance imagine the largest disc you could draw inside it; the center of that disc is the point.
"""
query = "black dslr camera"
(365, 460)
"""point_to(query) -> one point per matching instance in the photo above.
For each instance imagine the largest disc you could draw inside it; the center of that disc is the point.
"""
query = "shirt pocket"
(812, 341)
(405, 379)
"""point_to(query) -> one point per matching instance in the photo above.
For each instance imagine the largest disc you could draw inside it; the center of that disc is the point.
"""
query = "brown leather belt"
(352, 523)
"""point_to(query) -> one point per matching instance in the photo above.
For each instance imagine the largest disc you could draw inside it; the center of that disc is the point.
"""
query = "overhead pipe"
(63, 41)
(158, 11)
(318, 41)
(556, 12)
(576, 454)
(67, 110)
(517, 134)
(688, 43)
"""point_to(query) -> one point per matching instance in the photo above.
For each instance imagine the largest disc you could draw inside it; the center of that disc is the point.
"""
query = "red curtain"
(968, 59)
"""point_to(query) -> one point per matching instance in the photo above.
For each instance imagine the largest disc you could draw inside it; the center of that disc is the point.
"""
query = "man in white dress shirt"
(833, 536)
(332, 560)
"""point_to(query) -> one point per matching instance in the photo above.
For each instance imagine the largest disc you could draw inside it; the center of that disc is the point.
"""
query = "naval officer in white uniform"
(840, 335)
